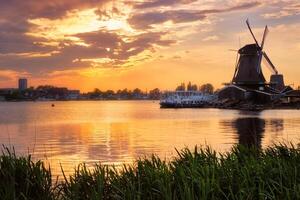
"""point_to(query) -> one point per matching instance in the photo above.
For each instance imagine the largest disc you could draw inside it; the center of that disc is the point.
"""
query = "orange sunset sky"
(109, 44)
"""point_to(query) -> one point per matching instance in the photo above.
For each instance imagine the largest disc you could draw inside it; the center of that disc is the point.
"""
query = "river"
(117, 132)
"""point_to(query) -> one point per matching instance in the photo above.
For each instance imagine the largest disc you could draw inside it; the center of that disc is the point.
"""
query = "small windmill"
(248, 70)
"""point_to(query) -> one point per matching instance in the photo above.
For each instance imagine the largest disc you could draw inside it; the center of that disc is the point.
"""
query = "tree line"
(207, 88)
(125, 94)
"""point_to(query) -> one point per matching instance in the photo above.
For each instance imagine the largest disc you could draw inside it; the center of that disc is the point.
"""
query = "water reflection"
(251, 127)
(250, 130)
(276, 126)
(115, 132)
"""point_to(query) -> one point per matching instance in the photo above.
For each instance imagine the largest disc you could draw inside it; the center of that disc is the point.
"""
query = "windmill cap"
(249, 49)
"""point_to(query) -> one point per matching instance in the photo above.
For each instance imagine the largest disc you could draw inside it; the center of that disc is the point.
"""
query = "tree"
(154, 94)
(137, 91)
(108, 94)
(45, 87)
(189, 86)
(97, 91)
(15, 95)
(194, 87)
(181, 87)
(207, 88)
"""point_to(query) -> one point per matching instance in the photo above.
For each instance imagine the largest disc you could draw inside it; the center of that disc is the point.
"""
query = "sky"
(110, 44)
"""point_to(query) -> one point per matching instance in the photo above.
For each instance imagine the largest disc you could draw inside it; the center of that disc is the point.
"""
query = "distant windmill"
(248, 69)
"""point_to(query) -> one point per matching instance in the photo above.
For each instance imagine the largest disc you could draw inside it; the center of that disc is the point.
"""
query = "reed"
(21, 178)
(202, 173)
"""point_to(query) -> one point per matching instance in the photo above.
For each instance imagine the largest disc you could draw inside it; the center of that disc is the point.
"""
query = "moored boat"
(185, 99)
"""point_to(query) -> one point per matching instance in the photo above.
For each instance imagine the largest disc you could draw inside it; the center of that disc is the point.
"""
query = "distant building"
(22, 84)
(73, 94)
(5, 92)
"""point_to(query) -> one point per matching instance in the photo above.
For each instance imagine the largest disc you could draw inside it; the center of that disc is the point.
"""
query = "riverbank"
(243, 173)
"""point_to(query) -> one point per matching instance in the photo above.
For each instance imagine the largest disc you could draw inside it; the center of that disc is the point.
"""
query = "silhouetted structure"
(22, 84)
(248, 82)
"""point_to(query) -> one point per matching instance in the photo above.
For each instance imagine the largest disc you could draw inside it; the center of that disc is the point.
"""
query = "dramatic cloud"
(28, 43)
(147, 19)
(159, 3)
(14, 22)
(59, 38)
(44, 9)
(100, 44)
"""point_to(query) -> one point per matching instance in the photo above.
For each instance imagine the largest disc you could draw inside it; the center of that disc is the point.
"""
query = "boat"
(186, 99)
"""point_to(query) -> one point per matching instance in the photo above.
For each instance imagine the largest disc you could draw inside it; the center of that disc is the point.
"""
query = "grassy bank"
(243, 173)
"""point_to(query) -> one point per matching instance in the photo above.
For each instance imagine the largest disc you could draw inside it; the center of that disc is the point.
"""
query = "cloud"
(159, 3)
(35, 47)
(15, 16)
(145, 20)
(64, 73)
(43, 37)
(101, 44)
(30, 9)
(5, 78)
(13, 38)
(284, 9)
(211, 38)
(11, 75)
(176, 57)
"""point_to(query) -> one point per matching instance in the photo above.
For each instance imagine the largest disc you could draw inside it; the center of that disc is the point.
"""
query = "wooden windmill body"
(248, 81)
(248, 69)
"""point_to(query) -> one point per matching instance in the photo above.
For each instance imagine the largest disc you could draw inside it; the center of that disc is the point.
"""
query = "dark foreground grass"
(243, 173)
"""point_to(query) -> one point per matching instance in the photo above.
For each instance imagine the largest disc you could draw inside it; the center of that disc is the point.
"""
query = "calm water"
(116, 132)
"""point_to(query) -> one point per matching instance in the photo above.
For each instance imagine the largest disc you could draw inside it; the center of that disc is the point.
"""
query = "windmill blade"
(268, 66)
(258, 67)
(236, 65)
(264, 37)
(247, 22)
(270, 63)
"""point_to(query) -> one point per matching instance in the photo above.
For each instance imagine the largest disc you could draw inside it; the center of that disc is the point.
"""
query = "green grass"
(21, 178)
(242, 173)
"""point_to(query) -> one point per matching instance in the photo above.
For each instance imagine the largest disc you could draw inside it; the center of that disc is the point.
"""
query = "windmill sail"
(247, 22)
(270, 64)
(264, 37)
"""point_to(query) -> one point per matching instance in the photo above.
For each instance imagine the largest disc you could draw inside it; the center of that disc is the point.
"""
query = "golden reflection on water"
(117, 132)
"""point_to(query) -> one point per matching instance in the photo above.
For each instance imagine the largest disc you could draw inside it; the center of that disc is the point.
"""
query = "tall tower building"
(22, 84)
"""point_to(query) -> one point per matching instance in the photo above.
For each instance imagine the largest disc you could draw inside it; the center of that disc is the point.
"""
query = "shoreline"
(244, 107)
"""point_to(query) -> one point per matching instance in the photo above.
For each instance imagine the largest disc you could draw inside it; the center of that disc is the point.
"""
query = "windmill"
(248, 70)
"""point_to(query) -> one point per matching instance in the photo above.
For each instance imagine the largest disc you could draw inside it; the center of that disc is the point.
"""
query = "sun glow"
(116, 24)
(75, 22)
